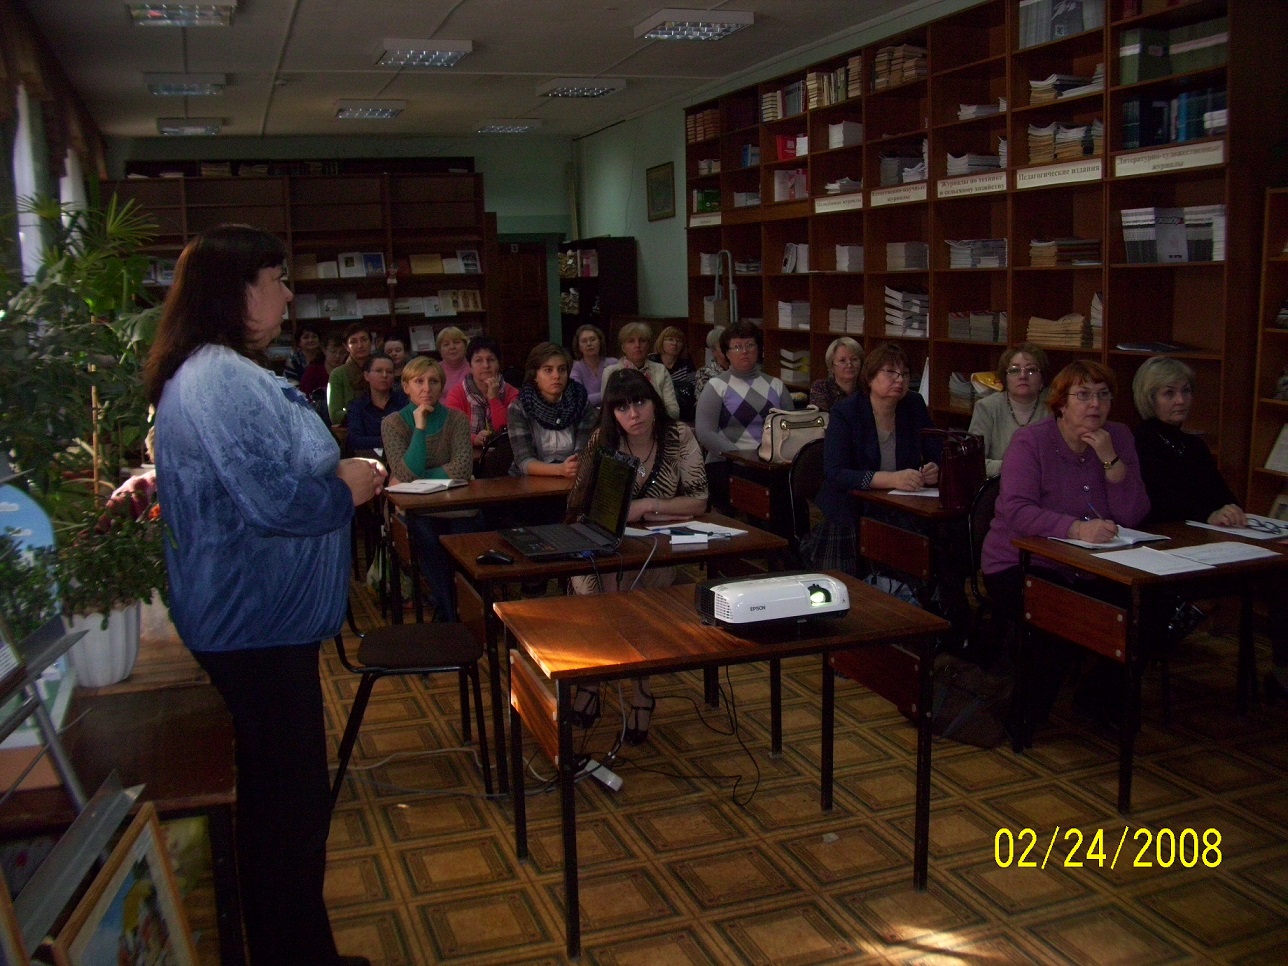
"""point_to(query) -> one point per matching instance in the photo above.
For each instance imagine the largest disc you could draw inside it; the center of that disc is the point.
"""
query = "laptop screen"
(610, 498)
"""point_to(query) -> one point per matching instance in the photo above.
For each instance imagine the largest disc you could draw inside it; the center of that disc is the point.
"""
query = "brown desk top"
(647, 631)
(177, 741)
(1179, 534)
(926, 507)
(464, 548)
(754, 462)
(501, 489)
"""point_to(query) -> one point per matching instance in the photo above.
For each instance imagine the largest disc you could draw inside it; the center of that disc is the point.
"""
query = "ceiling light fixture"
(422, 53)
(190, 126)
(515, 125)
(182, 14)
(185, 85)
(581, 87)
(368, 110)
(678, 24)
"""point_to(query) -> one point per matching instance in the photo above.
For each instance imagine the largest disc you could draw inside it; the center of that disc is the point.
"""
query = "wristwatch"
(1110, 464)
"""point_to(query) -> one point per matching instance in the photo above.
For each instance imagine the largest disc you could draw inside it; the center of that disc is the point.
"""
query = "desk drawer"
(890, 671)
(532, 697)
(751, 498)
(895, 547)
(1088, 621)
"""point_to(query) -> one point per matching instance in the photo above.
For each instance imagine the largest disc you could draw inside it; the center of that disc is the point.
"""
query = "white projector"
(749, 601)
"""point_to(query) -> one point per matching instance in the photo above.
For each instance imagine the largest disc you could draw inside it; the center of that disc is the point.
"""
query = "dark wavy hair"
(479, 343)
(538, 356)
(629, 386)
(206, 304)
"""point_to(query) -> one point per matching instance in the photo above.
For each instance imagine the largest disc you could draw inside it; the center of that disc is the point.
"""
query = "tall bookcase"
(598, 284)
(975, 57)
(412, 220)
(1270, 415)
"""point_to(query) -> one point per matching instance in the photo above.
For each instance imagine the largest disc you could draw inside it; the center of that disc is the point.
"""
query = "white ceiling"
(289, 61)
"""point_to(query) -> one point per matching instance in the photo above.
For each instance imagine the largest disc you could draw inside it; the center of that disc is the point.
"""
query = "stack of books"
(790, 184)
(1070, 331)
(708, 166)
(750, 267)
(905, 256)
(854, 76)
(849, 258)
(1056, 142)
(827, 87)
(843, 186)
(1045, 20)
(981, 325)
(708, 263)
(1056, 87)
(702, 126)
(1096, 321)
(977, 253)
(894, 165)
(898, 64)
(843, 134)
(793, 366)
(1002, 152)
(793, 315)
(786, 102)
(1064, 251)
(795, 258)
(972, 164)
(847, 321)
(749, 156)
(906, 312)
(1154, 236)
(967, 111)
(746, 199)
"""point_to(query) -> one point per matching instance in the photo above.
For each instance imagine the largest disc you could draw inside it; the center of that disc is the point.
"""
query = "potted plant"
(73, 410)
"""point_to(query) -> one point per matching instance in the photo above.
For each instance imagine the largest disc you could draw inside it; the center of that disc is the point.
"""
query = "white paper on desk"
(929, 491)
(1127, 537)
(1274, 529)
(424, 486)
(714, 530)
(1153, 561)
(1227, 551)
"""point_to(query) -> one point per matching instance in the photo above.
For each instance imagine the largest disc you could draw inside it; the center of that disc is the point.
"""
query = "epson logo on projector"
(758, 607)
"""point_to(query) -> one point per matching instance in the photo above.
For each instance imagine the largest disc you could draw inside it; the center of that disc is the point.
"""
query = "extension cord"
(602, 774)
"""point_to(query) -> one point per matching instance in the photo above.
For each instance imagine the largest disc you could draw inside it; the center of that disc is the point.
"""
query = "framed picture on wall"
(659, 182)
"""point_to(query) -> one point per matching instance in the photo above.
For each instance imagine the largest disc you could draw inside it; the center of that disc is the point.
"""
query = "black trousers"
(274, 695)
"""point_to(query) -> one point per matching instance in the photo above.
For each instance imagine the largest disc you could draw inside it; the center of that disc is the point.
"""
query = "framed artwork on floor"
(132, 911)
(659, 184)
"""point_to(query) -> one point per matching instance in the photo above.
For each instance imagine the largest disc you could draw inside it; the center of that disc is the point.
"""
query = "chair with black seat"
(402, 557)
(804, 480)
(414, 649)
(982, 509)
(496, 458)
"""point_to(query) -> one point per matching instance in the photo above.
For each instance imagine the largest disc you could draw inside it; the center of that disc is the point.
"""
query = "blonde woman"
(635, 339)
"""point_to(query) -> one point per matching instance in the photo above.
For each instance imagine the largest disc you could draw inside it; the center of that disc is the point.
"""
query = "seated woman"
(843, 359)
(1075, 476)
(873, 442)
(551, 420)
(718, 364)
(451, 350)
(1022, 370)
(483, 396)
(368, 411)
(428, 440)
(634, 339)
(670, 483)
(308, 340)
(732, 408)
(588, 345)
(317, 373)
(669, 350)
(396, 350)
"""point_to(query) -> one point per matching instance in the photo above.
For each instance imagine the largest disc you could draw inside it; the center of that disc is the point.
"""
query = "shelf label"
(847, 202)
(703, 221)
(971, 184)
(1070, 172)
(901, 194)
(1173, 158)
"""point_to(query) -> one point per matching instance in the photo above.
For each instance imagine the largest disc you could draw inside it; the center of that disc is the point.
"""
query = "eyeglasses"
(893, 374)
(1264, 525)
(742, 347)
(1086, 395)
(638, 406)
(1022, 370)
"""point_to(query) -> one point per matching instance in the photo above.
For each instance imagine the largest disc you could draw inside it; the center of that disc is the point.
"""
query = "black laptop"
(600, 530)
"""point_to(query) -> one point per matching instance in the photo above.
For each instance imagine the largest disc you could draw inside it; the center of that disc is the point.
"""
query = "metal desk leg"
(492, 633)
(711, 686)
(921, 834)
(1144, 613)
(776, 705)
(827, 749)
(520, 805)
(568, 814)
(232, 944)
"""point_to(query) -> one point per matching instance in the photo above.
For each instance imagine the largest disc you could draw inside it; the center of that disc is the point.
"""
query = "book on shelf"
(849, 258)
(437, 305)
(790, 185)
(428, 263)
(843, 186)
(452, 266)
(588, 259)
(421, 338)
(795, 258)
(1154, 347)
(1278, 458)
(793, 315)
(905, 256)
(351, 265)
(339, 306)
(1142, 55)
(705, 200)
(977, 253)
(304, 265)
(409, 305)
(373, 264)
(843, 134)
(368, 307)
(469, 259)
(328, 268)
(1070, 331)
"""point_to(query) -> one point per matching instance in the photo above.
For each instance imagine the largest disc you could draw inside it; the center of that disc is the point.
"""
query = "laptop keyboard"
(572, 538)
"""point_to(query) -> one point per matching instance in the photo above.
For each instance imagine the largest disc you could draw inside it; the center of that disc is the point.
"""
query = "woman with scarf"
(483, 395)
(552, 417)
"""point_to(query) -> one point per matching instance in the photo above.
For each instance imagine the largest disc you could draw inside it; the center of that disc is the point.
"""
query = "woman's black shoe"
(585, 707)
(640, 718)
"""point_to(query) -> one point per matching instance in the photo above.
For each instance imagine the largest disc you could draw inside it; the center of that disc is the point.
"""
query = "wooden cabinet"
(598, 284)
(951, 95)
(1270, 383)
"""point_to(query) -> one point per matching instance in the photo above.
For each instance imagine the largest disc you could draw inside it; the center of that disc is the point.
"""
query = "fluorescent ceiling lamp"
(513, 125)
(190, 126)
(676, 24)
(182, 14)
(581, 87)
(369, 110)
(185, 85)
(422, 53)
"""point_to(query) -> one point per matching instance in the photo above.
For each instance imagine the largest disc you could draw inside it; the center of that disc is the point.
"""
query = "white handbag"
(788, 430)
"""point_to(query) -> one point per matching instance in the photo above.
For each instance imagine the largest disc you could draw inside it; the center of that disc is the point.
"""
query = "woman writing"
(588, 344)
(634, 339)
(670, 483)
(551, 420)
(1022, 370)
(669, 350)
(843, 359)
(430, 441)
(258, 503)
(451, 349)
(483, 396)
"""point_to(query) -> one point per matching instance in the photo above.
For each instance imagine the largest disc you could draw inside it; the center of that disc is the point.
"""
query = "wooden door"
(519, 313)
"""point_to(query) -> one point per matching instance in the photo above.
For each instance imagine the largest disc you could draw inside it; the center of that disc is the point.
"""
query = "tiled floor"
(714, 852)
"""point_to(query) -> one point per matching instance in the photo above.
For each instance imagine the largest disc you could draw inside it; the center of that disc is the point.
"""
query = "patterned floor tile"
(623, 898)
(955, 830)
(685, 827)
(792, 805)
(882, 789)
(357, 880)
(682, 947)
(1043, 807)
(728, 878)
(1061, 750)
(599, 842)
(1107, 936)
(459, 865)
(432, 817)
(1212, 912)
(1219, 773)
(350, 829)
(842, 855)
(505, 922)
(381, 936)
(1012, 890)
(899, 913)
(985, 770)
(1001, 950)
(798, 935)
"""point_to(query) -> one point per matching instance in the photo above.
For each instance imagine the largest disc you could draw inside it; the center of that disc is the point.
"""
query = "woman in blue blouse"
(257, 503)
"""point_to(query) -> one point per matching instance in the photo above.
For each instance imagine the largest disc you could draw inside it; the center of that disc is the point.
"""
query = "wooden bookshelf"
(973, 57)
(606, 285)
(1270, 415)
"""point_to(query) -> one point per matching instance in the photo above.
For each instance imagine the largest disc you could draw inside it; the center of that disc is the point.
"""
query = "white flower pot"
(104, 657)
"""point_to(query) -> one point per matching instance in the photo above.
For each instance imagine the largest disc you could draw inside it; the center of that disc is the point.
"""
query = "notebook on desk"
(599, 530)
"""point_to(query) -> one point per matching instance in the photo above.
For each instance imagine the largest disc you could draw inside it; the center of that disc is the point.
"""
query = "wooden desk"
(582, 640)
(176, 741)
(761, 490)
(478, 494)
(1129, 634)
(892, 546)
(634, 551)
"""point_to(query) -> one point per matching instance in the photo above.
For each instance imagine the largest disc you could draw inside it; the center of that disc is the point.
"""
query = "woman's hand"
(480, 439)
(421, 415)
(930, 474)
(907, 479)
(364, 478)
(639, 508)
(569, 466)
(1093, 531)
(1229, 515)
(1100, 441)
(491, 387)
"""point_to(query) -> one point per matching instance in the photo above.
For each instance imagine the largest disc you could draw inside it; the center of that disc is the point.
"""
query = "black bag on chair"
(961, 468)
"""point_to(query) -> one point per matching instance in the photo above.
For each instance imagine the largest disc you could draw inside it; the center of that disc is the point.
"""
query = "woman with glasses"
(1022, 402)
(733, 406)
(634, 338)
(843, 359)
(873, 441)
(670, 483)
(670, 352)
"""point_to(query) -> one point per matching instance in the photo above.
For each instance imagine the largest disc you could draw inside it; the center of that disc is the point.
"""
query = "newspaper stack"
(793, 315)
(1096, 322)
(1064, 251)
(1070, 331)
(906, 312)
(972, 164)
(849, 258)
(977, 253)
(904, 256)
(848, 320)
(843, 186)
(967, 111)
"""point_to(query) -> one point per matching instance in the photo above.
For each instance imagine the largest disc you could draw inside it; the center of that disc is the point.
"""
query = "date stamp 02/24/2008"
(1138, 848)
